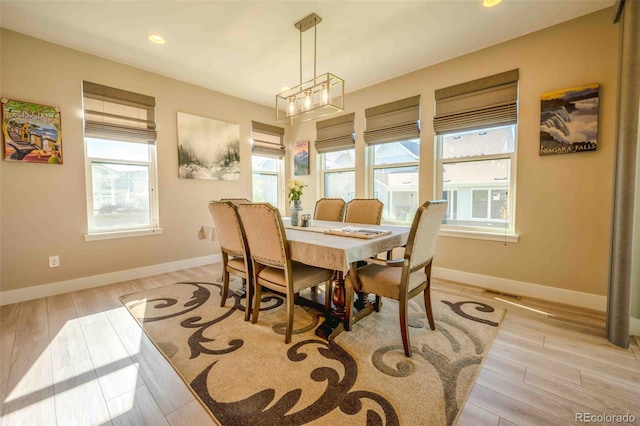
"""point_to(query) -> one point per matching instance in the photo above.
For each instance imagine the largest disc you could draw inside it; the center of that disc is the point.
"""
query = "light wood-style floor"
(81, 359)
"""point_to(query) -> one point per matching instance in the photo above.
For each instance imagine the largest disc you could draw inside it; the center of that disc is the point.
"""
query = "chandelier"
(321, 96)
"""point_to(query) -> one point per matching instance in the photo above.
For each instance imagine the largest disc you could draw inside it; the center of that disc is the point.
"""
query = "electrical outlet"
(54, 261)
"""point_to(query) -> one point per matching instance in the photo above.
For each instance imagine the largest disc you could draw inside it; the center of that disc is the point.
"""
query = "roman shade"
(393, 122)
(486, 102)
(117, 114)
(335, 134)
(268, 141)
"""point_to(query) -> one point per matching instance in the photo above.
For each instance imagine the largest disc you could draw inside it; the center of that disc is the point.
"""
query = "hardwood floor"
(81, 359)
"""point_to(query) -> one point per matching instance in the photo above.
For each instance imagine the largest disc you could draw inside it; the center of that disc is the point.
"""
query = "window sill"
(479, 235)
(122, 234)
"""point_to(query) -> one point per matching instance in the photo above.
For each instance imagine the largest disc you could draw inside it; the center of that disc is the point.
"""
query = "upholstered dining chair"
(233, 245)
(329, 209)
(364, 210)
(403, 279)
(271, 261)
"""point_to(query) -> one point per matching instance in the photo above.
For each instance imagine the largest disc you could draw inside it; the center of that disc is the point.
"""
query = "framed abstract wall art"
(207, 148)
(569, 120)
(301, 158)
(31, 133)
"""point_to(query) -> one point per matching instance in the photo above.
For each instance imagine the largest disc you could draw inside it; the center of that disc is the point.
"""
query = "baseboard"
(521, 288)
(19, 295)
(634, 326)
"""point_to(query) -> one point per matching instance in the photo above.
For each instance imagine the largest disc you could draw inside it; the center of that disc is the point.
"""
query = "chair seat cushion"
(303, 276)
(235, 265)
(385, 280)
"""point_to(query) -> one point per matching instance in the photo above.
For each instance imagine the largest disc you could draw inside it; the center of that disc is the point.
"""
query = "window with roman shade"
(475, 125)
(335, 144)
(268, 141)
(120, 162)
(267, 171)
(393, 138)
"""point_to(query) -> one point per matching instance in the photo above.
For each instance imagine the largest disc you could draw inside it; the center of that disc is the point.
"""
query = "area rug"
(245, 374)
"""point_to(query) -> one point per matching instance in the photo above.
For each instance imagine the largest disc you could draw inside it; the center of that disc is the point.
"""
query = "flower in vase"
(295, 189)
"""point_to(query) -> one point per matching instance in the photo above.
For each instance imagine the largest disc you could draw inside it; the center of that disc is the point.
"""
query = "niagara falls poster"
(569, 120)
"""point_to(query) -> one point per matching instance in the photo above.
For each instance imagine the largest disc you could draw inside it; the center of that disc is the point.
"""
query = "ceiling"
(251, 49)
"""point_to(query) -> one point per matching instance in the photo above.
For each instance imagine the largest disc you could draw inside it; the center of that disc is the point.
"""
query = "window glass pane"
(339, 160)
(116, 150)
(474, 182)
(340, 185)
(498, 140)
(397, 152)
(121, 196)
(264, 164)
(265, 188)
(397, 188)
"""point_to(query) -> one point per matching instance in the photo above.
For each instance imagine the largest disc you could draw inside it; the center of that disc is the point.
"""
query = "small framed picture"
(301, 158)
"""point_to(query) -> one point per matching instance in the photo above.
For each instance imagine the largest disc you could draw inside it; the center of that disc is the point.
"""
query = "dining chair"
(403, 279)
(234, 249)
(236, 201)
(271, 260)
(329, 209)
(364, 210)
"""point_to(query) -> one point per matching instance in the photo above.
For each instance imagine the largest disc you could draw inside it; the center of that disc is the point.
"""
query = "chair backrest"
(229, 228)
(421, 244)
(364, 210)
(236, 201)
(329, 209)
(265, 234)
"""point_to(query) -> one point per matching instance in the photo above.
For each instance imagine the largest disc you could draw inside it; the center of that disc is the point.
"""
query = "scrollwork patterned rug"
(245, 374)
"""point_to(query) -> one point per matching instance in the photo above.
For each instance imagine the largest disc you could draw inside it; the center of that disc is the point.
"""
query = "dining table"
(325, 245)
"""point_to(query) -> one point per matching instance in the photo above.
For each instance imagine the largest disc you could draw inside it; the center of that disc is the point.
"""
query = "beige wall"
(563, 202)
(43, 207)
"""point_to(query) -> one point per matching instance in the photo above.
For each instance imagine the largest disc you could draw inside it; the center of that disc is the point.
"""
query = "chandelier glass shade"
(321, 96)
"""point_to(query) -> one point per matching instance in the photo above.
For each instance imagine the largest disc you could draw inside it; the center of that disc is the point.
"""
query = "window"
(334, 143)
(476, 149)
(339, 174)
(120, 159)
(395, 179)
(393, 137)
(266, 163)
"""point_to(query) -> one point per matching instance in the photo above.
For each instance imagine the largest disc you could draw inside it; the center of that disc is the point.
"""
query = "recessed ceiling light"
(155, 38)
(489, 3)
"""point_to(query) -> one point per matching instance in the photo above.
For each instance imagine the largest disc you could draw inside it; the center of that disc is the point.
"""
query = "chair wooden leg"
(256, 303)
(427, 298)
(247, 309)
(225, 288)
(348, 308)
(404, 326)
(290, 304)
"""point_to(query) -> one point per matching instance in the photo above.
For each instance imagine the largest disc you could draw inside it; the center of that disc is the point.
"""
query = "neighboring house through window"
(266, 161)
(393, 138)
(120, 158)
(334, 144)
(475, 125)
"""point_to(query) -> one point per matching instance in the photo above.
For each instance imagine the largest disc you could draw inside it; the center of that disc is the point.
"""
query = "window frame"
(507, 234)
(94, 233)
(372, 167)
(324, 172)
(279, 173)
